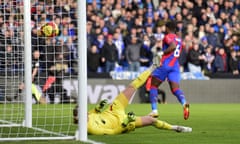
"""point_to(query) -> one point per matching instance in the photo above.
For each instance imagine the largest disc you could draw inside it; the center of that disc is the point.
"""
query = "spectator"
(159, 33)
(157, 48)
(183, 60)
(128, 19)
(57, 71)
(133, 55)
(236, 43)
(133, 33)
(234, 63)
(220, 62)
(117, 12)
(105, 32)
(145, 52)
(36, 82)
(90, 36)
(118, 41)
(213, 38)
(93, 59)
(64, 36)
(150, 34)
(195, 59)
(71, 54)
(111, 24)
(109, 54)
(209, 59)
(201, 32)
(203, 19)
(217, 21)
(188, 40)
(8, 58)
(99, 42)
(203, 44)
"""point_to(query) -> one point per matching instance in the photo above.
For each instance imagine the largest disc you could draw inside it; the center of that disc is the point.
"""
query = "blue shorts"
(171, 73)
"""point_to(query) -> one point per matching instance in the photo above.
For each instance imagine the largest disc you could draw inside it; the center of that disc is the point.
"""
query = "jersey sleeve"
(168, 39)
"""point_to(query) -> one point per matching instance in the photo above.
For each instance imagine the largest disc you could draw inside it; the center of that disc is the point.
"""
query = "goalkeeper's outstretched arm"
(98, 109)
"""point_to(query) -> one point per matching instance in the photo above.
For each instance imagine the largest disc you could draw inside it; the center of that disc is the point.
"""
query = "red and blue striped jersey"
(171, 59)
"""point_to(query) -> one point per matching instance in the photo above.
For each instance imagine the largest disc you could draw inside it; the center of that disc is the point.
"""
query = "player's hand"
(131, 116)
(101, 105)
(160, 53)
(117, 65)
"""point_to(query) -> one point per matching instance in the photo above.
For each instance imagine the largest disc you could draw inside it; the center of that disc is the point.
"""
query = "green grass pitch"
(211, 123)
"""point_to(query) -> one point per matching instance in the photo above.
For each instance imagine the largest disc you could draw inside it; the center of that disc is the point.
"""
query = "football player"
(169, 69)
(112, 119)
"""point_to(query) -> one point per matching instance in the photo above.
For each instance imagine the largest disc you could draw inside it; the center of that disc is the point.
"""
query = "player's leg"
(153, 96)
(177, 92)
(158, 76)
(174, 80)
(148, 120)
(128, 93)
(122, 100)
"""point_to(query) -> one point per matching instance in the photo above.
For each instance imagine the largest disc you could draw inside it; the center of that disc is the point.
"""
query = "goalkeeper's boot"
(131, 117)
(154, 114)
(100, 107)
(186, 111)
(183, 129)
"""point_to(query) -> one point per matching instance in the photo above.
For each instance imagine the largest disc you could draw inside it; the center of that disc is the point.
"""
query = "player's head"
(171, 26)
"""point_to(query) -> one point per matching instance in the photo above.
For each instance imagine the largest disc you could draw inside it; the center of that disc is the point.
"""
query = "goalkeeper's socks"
(141, 79)
(162, 125)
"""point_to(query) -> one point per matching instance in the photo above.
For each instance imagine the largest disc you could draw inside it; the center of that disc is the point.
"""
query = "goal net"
(53, 60)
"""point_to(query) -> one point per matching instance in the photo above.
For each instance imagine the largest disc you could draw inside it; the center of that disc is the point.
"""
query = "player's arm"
(172, 46)
(99, 107)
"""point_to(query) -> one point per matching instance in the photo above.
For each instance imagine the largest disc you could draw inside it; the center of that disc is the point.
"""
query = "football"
(49, 29)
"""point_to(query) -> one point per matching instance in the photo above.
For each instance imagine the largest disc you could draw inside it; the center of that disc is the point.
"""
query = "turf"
(211, 123)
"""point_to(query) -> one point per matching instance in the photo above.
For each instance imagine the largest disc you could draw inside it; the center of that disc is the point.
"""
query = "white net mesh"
(53, 61)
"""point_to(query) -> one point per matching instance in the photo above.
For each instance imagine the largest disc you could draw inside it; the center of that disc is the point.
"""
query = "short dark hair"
(171, 25)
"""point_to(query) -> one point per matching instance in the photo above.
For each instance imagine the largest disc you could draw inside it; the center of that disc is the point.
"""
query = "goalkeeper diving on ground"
(112, 119)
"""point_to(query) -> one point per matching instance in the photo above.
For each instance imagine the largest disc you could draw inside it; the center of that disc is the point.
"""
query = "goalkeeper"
(111, 119)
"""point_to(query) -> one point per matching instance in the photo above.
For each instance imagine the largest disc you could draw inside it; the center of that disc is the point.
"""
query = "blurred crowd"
(125, 35)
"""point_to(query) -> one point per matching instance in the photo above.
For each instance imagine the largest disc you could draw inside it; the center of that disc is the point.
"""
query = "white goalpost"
(35, 105)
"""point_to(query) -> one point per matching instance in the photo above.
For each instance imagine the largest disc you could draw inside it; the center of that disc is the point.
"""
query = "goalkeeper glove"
(101, 105)
(131, 117)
